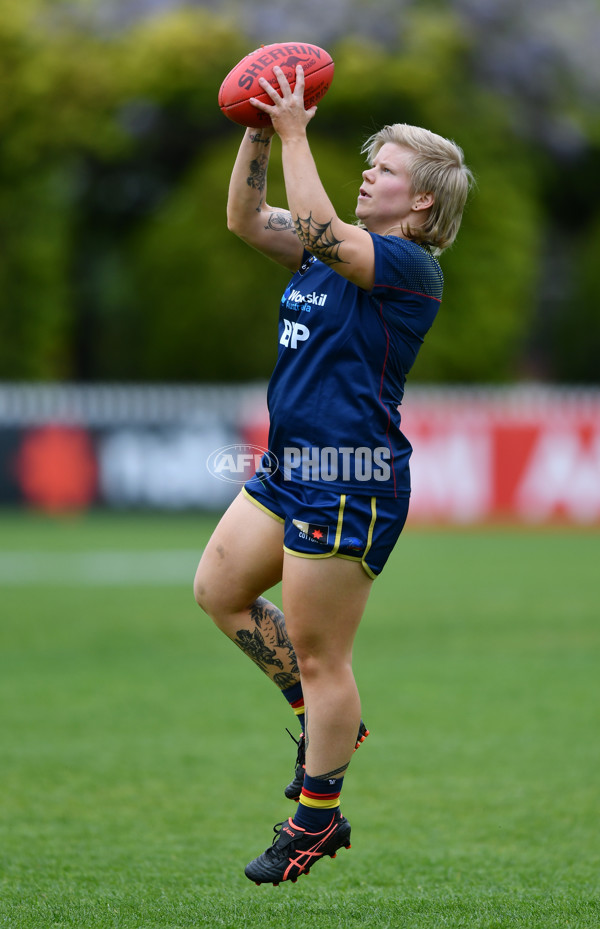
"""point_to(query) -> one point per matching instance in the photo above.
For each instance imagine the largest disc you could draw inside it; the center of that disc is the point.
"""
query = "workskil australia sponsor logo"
(295, 300)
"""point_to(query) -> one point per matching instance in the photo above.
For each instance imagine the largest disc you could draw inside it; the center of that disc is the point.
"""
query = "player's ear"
(423, 201)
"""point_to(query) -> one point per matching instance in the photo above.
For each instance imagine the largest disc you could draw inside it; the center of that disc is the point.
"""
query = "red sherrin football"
(242, 81)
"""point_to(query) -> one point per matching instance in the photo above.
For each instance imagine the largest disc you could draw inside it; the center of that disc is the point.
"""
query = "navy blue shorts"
(321, 523)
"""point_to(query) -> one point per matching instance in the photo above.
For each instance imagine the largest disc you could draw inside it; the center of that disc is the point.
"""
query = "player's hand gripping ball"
(242, 81)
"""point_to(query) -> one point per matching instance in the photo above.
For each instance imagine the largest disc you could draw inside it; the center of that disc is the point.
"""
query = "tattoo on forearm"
(280, 222)
(268, 645)
(258, 173)
(257, 137)
(319, 239)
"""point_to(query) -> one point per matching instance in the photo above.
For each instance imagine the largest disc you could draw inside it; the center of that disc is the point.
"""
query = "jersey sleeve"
(403, 265)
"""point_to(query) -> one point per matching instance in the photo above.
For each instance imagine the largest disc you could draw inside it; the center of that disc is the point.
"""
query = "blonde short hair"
(437, 167)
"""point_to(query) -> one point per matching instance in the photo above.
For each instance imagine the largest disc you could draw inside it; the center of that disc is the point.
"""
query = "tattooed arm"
(346, 248)
(268, 229)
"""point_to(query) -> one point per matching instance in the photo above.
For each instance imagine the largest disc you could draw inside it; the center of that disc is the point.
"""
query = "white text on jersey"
(293, 333)
(306, 300)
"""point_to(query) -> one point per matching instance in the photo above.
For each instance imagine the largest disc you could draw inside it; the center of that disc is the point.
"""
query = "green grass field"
(143, 758)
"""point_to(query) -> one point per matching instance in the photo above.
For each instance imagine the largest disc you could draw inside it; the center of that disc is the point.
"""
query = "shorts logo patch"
(352, 543)
(312, 531)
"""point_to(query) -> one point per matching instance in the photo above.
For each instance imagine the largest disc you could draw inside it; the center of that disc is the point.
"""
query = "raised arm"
(268, 229)
(345, 247)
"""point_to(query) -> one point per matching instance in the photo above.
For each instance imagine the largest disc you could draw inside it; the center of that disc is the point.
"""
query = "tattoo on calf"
(253, 644)
(285, 680)
(319, 239)
(331, 774)
(267, 638)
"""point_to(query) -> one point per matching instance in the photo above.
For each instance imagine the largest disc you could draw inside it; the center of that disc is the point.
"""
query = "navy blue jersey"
(344, 354)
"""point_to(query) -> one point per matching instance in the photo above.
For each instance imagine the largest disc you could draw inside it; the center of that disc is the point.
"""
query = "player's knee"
(202, 592)
(214, 597)
(315, 664)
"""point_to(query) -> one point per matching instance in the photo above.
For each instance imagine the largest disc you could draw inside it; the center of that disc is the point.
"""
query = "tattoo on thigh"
(266, 641)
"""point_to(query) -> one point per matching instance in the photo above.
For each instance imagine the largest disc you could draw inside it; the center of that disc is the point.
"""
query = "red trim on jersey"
(405, 290)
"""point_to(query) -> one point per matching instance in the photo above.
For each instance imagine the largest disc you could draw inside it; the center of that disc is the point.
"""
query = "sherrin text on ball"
(242, 81)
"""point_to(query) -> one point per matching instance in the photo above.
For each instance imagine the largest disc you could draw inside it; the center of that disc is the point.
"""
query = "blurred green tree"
(116, 261)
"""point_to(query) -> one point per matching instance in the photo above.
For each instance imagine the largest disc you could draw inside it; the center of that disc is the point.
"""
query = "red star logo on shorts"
(317, 534)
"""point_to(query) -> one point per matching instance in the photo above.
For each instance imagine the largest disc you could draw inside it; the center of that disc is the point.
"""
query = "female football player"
(324, 512)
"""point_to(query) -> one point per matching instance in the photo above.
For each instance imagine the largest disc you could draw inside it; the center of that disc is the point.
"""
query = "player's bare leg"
(243, 558)
(324, 600)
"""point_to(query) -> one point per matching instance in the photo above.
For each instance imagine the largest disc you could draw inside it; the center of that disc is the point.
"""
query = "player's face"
(385, 199)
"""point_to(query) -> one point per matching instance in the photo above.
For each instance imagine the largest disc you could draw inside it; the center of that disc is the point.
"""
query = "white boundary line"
(127, 567)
